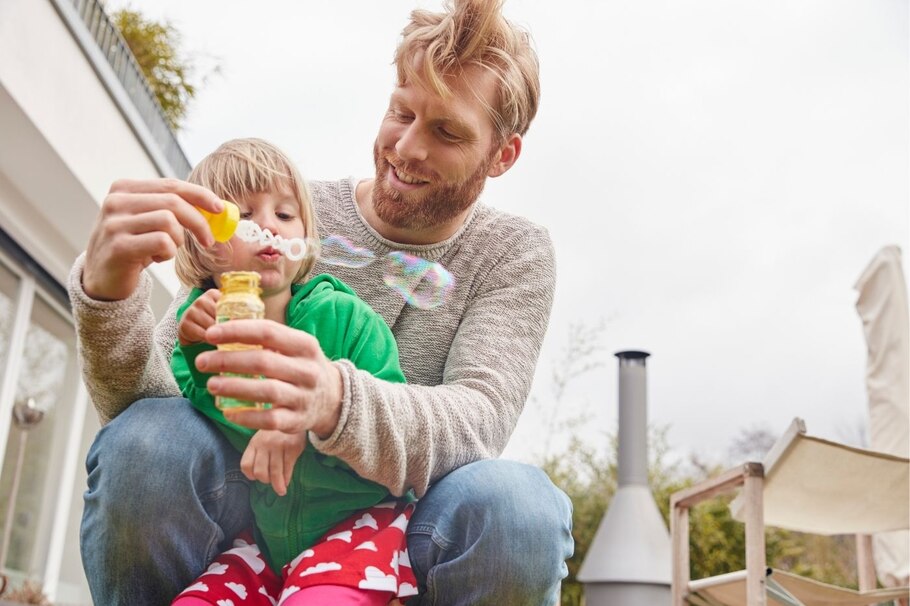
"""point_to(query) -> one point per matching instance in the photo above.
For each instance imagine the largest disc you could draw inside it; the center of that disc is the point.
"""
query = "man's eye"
(449, 136)
(402, 116)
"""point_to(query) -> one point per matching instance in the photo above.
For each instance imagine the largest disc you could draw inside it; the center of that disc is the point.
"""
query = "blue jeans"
(166, 495)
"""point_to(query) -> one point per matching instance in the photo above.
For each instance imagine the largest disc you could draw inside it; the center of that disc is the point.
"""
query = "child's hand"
(270, 457)
(198, 317)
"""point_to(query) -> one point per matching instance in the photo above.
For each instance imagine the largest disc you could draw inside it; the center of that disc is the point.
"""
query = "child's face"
(279, 212)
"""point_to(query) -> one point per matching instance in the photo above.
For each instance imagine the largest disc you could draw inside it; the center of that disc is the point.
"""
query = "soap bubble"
(338, 250)
(295, 249)
(421, 283)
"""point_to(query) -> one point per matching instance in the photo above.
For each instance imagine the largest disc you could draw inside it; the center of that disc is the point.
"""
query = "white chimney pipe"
(628, 563)
(633, 419)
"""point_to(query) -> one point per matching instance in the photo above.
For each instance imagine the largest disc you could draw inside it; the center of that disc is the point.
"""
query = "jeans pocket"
(229, 507)
(426, 549)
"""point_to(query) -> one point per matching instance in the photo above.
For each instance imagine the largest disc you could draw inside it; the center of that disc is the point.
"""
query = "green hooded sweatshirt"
(323, 490)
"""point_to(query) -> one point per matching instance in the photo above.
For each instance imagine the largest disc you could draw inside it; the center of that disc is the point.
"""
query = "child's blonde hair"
(234, 171)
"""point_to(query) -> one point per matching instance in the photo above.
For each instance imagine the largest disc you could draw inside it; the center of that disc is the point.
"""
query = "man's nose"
(412, 144)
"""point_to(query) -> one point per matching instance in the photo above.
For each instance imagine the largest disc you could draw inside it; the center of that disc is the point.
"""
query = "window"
(37, 437)
(42, 414)
(9, 284)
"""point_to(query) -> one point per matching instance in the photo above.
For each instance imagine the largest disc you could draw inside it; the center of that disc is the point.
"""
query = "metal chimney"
(628, 562)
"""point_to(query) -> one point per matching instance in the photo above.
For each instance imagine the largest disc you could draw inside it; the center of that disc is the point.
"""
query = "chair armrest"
(725, 482)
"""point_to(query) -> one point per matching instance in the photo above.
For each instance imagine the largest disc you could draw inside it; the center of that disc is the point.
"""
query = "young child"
(323, 534)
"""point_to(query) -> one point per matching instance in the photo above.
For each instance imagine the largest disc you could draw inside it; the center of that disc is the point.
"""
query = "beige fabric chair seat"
(730, 590)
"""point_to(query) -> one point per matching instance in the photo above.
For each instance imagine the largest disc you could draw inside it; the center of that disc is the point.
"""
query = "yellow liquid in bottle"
(239, 301)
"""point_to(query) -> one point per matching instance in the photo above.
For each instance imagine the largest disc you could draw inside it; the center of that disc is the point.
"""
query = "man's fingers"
(269, 334)
(145, 248)
(281, 419)
(121, 227)
(142, 222)
(161, 222)
(143, 206)
(258, 362)
(252, 389)
(196, 195)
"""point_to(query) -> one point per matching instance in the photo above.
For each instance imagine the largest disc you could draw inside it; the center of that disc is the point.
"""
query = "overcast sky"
(715, 175)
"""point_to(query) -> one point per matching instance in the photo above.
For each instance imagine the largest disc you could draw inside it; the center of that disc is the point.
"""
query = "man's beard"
(434, 205)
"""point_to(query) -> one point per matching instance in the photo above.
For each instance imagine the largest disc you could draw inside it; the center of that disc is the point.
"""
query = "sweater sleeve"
(123, 355)
(408, 436)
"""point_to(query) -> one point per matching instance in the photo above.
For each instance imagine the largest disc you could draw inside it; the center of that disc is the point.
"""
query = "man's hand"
(303, 386)
(142, 222)
(270, 457)
(198, 317)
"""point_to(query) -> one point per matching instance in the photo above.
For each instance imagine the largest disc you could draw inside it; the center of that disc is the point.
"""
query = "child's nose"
(270, 222)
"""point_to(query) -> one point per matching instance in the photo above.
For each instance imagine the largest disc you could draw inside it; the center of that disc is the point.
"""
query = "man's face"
(433, 155)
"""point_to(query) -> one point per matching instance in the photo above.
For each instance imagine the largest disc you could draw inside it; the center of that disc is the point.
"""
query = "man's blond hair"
(435, 46)
(234, 171)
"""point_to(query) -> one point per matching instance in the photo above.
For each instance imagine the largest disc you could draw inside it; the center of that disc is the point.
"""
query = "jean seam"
(213, 495)
(212, 551)
(235, 475)
(431, 586)
(219, 492)
(214, 546)
(442, 543)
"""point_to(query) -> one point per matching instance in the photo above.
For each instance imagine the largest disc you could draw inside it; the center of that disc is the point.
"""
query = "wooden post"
(680, 503)
(756, 565)
(865, 565)
(679, 532)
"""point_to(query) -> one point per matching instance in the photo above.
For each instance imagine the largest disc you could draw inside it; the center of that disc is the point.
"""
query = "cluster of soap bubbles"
(421, 283)
(294, 249)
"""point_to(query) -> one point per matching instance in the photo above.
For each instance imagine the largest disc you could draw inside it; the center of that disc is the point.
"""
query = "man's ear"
(506, 156)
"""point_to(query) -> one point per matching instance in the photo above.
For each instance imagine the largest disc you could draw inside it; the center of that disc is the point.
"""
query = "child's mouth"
(269, 254)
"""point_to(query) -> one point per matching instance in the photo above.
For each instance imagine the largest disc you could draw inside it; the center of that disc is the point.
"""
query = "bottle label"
(243, 305)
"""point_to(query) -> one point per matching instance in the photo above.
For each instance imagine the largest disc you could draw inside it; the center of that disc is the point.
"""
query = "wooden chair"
(805, 484)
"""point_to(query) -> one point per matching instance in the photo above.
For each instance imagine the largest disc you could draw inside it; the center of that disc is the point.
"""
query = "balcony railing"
(130, 75)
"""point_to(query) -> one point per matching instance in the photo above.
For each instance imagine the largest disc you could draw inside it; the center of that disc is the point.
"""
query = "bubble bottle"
(223, 224)
(239, 300)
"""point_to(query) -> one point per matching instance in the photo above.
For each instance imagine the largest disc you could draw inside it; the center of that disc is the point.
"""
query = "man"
(166, 493)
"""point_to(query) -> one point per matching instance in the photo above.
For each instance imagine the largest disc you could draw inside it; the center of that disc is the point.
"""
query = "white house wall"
(66, 133)
(64, 140)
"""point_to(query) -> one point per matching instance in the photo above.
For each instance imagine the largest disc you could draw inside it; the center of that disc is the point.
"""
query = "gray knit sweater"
(469, 363)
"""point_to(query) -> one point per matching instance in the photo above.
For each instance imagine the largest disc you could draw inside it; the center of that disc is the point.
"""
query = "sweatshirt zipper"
(294, 548)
